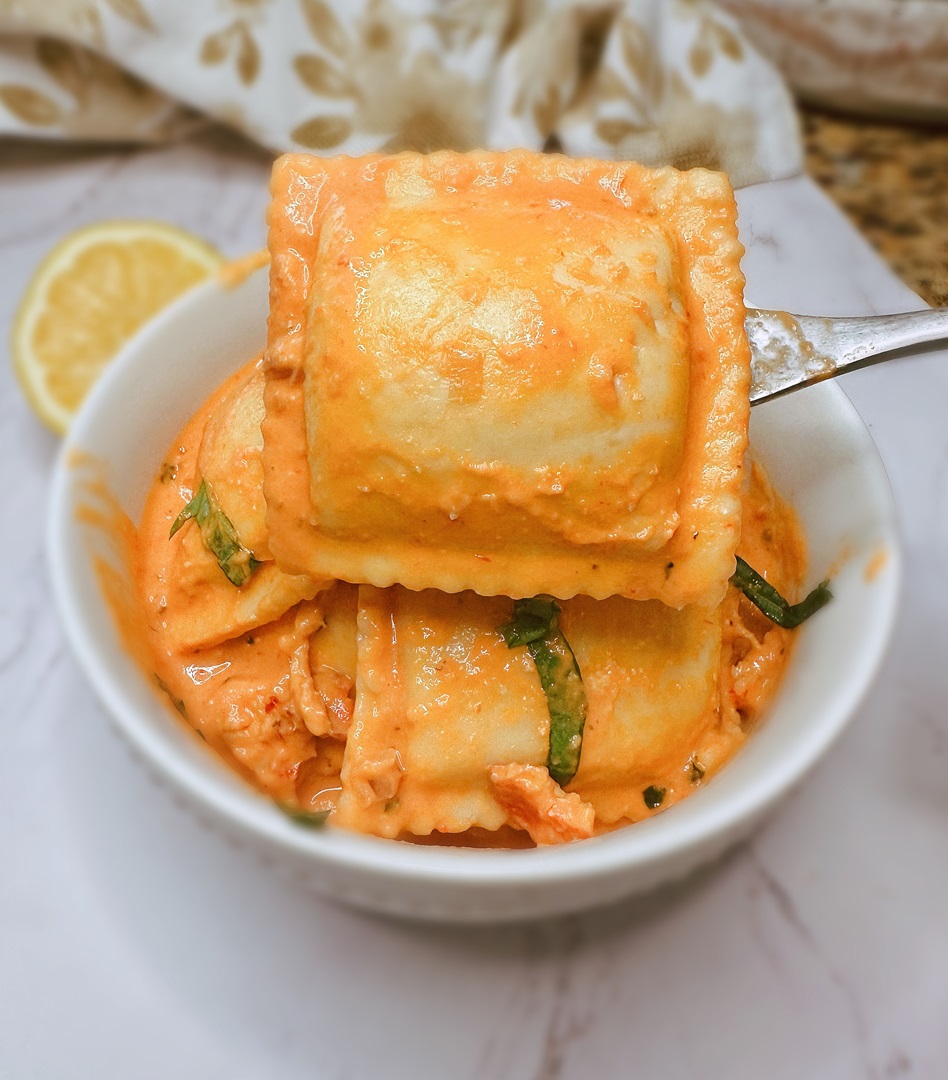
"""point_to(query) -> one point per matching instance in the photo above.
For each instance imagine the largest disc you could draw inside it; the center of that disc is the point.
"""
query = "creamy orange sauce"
(114, 546)
(876, 564)
(239, 693)
(236, 271)
(756, 650)
(276, 700)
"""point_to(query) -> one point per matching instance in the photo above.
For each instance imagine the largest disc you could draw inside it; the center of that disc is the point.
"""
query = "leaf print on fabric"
(233, 42)
(321, 77)
(426, 130)
(78, 21)
(714, 39)
(322, 132)
(636, 48)
(638, 55)
(81, 73)
(62, 62)
(248, 56)
(133, 11)
(325, 26)
(458, 24)
(615, 130)
(657, 80)
(107, 102)
(592, 42)
(609, 86)
(435, 107)
(214, 48)
(516, 23)
(729, 41)
(30, 105)
(701, 56)
(546, 111)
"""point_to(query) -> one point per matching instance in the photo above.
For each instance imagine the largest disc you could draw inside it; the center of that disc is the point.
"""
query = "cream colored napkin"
(880, 57)
(658, 81)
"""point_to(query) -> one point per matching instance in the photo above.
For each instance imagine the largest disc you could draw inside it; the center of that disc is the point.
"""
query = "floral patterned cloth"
(658, 81)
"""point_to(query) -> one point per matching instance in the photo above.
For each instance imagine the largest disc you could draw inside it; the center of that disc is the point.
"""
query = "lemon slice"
(91, 294)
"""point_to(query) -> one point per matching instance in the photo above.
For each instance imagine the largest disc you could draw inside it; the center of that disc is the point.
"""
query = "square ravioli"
(652, 679)
(510, 373)
(441, 701)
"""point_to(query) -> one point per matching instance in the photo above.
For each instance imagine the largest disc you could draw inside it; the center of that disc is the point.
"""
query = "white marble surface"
(134, 943)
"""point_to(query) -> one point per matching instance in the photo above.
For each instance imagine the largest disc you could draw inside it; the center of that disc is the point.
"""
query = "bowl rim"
(619, 851)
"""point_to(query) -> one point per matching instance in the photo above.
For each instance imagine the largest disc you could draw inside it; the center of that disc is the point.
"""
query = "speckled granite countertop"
(890, 179)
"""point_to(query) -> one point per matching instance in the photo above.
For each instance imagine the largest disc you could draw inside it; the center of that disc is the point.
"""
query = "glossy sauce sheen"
(186, 594)
(511, 373)
(487, 376)
(394, 706)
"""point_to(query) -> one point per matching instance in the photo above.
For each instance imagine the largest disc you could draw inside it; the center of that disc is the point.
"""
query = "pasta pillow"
(510, 374)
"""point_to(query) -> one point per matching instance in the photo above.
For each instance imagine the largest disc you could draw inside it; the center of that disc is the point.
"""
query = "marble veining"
(132, 931)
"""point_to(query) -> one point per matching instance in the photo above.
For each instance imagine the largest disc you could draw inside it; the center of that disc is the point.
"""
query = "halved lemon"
(93, 291)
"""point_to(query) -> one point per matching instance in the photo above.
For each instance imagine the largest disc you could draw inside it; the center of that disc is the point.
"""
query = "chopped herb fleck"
(695, 770)
(177, 702)
(169, 471)
(308, 819)
(532, 620)
(653, 796)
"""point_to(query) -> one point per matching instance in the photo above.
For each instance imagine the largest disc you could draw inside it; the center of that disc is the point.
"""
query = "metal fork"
(792, 351)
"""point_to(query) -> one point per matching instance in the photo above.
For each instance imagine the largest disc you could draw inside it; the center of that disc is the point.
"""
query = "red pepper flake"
(271, 704)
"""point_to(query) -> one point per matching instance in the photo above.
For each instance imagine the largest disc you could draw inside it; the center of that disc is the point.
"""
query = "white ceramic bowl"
(818, 454)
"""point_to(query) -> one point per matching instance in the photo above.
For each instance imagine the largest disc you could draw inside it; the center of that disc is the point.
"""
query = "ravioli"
(407, 714)
(186, 593)
(506, 373)
(441, 700)
(488, 377)
(651, 676)
(260, 701)
(229, 460)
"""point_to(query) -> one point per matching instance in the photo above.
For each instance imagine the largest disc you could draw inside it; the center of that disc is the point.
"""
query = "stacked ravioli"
(488, 377)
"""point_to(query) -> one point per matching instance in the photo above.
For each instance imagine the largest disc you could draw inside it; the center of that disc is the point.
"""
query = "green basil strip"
(219, 535)
(772, 604)
(536, 626)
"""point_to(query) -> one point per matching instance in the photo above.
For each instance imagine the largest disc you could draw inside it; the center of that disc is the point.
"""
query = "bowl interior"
(813, 445)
